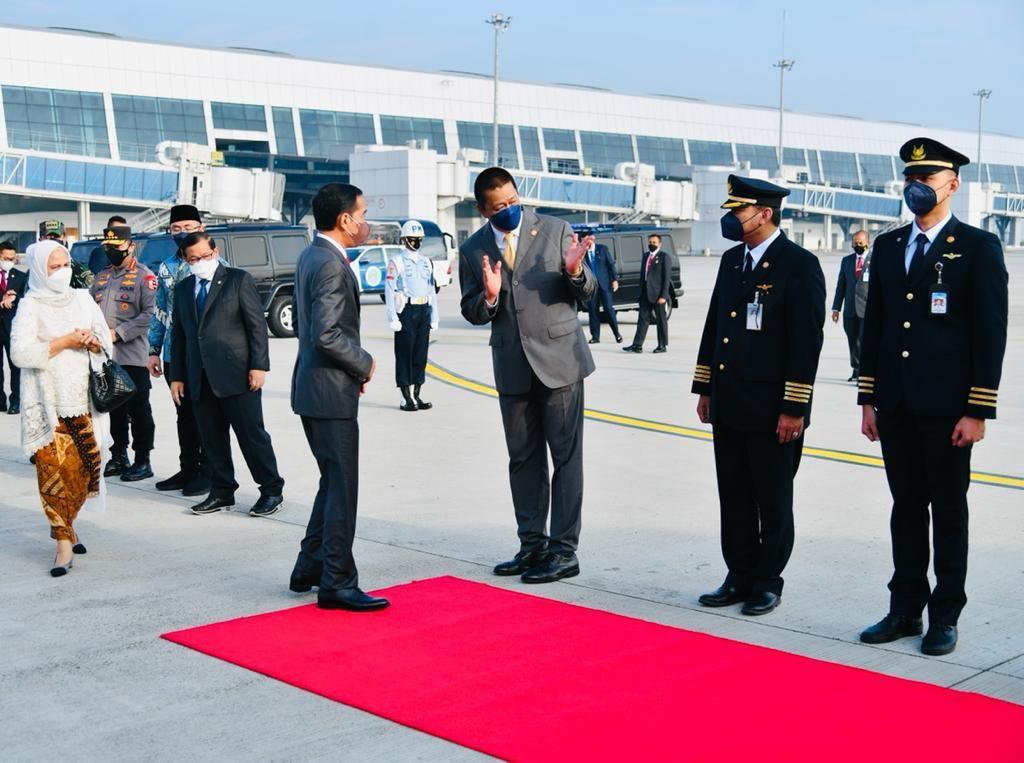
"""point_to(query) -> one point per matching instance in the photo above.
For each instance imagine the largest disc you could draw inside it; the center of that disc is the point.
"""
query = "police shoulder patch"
(151, 282)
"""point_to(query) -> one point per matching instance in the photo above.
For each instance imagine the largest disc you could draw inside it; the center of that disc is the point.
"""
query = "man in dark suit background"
(601, 262)
(220, 357)
(524, 274)
(331, 372)
(852, 296)
(12, 288)
(655, 292)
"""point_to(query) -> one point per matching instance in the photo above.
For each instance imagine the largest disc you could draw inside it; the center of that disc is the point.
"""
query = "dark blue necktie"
(748, 266)
(201, 297)
(917, 261)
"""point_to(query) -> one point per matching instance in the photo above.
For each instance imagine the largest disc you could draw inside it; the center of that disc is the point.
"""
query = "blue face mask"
(920, 198)
(509, 218)
(180, 237)
(732, 226)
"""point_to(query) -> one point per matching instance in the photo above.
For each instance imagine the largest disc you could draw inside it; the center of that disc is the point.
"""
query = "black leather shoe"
(78, 548)
(139, 471)
(267, 505)
(853, 376)
(351, 599)
(304, 578)
(632, 348)
(212, 504)
(423, 405)
(594, 341)
(118, 464)
(618, 338)
(177, 482)
(554, 567)
(14, 409)
(761, 603)
(660, 348)
(409, 406)
(522, 562)
(939, 640)
(724, 596)
(199, 485)
(890, 628)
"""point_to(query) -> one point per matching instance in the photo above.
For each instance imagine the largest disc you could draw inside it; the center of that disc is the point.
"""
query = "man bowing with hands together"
(525, 274)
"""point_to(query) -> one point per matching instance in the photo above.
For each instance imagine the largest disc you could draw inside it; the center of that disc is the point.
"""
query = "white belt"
(419, 300)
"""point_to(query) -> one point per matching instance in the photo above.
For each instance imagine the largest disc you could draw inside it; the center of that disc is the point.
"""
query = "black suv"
(627, 243)
(269, 251)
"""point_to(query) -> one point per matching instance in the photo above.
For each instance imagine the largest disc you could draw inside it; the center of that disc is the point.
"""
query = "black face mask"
(414, 243)
(859, 248)
(652, 248)
(116, 256)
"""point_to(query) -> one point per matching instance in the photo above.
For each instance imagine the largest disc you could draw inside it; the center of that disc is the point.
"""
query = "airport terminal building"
(82, 114)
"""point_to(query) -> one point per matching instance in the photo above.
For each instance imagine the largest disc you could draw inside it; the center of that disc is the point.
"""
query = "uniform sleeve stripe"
(799, 385)
(867, 378)
(980, 396)
(972, 401)
(985, 389)
(789, 399)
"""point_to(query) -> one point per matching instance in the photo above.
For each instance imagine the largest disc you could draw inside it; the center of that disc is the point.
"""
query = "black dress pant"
(411, 345)
(191, 459)
(602, 298)
(332, 523)
(5, 350)
(545, 420)
(244, 414)
(646, 313)
(755, 491)
(137, 415)
(924, 468)
(852, 327)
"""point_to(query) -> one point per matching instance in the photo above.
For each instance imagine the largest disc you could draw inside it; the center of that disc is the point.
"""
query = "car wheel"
(279, 317)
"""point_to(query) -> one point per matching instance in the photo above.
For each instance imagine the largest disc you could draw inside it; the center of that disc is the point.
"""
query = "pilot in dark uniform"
(934, 338)
(755, 375)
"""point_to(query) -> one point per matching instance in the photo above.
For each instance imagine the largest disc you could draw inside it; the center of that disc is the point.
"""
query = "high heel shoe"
(78, 548)
(59, 571)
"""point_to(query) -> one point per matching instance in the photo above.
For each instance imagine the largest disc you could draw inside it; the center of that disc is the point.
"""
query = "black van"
(269, 251)
(627, 243)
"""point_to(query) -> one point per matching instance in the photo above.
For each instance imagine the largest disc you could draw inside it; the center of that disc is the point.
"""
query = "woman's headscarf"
(39, 285)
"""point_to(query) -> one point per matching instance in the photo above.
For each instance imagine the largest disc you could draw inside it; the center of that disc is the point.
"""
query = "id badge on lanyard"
(755, 313)
(939, 294)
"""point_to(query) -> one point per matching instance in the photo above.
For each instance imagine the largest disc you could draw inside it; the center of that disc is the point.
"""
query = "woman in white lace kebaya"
(55, 332)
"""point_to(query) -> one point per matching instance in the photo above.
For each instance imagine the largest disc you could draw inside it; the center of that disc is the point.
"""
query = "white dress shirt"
(758, 251)
(932, 233)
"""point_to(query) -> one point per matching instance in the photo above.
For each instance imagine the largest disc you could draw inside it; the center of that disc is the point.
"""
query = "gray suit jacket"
(331, 365)
(534, 326)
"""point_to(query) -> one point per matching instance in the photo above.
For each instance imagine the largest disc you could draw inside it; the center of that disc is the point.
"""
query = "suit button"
(725, 341)
(732, 314)
(905, 354)
(910, 295)
(721, 366)
(515, 283)
(906, 324)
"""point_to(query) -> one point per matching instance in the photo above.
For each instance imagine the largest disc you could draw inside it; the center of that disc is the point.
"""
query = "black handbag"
(110, 386)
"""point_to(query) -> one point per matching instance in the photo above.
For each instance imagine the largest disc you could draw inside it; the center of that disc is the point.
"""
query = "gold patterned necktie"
(510, 252)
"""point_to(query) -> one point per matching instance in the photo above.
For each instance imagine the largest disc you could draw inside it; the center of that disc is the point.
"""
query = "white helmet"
(412, 229)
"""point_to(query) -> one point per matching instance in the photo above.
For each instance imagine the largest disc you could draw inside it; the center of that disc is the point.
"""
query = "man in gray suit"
(852, 296)
(524, 274)
(331, 372)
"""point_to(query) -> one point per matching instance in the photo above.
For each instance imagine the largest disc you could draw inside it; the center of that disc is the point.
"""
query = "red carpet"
(528, 679)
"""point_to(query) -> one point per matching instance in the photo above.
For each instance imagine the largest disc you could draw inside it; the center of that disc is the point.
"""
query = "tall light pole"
(783, 65)
(982, 96)
(500, 24)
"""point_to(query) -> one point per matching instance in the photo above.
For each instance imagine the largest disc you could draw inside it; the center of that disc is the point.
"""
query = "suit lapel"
(945, 243)
(529, 231)
(216, 283)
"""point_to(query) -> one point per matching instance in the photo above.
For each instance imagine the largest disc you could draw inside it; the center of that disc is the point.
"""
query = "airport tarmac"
(84, 674)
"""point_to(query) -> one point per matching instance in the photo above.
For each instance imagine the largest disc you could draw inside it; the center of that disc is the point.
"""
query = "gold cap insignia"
(917, 154)
(728, 186)
(950, 239)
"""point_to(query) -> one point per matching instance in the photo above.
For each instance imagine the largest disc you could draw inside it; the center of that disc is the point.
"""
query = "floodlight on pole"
(982, 95)
(783, 65)
(500, 22)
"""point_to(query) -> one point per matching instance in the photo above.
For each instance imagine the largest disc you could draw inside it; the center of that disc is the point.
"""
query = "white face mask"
(6, 265)
(59, 280)
(204, 269)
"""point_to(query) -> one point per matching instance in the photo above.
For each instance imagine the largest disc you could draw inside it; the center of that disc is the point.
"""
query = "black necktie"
(201, 296)
(748, 266)
(917, 261)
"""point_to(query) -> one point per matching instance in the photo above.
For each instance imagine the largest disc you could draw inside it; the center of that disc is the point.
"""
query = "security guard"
(126, 294)
(53, 230)
(411, 297)
(755, 374)
(934, 339)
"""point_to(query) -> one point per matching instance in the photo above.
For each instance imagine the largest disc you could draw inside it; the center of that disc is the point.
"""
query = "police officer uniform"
(410, 295)
(758, 359)
(934, 338)
(126, 294)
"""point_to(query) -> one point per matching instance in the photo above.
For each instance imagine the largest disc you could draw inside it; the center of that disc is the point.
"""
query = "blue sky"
(907, 61)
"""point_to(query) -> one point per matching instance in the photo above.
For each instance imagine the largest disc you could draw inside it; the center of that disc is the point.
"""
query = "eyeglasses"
(203, 258)
(184, 228)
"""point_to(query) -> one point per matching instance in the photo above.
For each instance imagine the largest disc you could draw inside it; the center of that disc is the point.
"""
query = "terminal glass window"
(876, 170)
(530, 144)
(564, 166)
(603, 150)
(397, 131)
(666, 154)
(238, 116)
(327, 132)
(143, 122)
(1003, 173)
(839, 168)
(284, 130)
(62, 121)
(481, 135)
(760, 157)
(813, 166)
(559, 140)
(706, 153)
(794, 157)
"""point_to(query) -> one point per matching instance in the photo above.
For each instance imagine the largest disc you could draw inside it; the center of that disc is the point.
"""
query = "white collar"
(333, 243)
(932, 232)
(758, 251)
